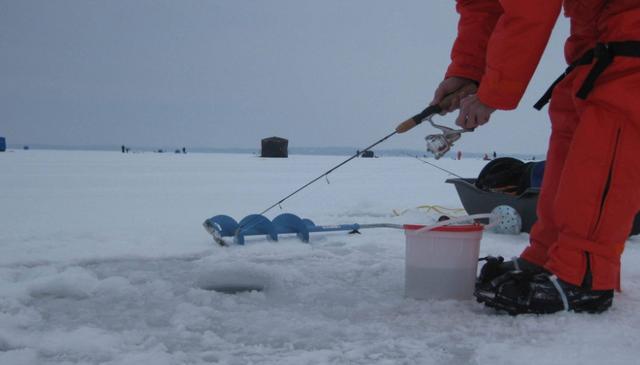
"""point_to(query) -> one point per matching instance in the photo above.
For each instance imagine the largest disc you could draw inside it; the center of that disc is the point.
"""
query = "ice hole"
(232, 280)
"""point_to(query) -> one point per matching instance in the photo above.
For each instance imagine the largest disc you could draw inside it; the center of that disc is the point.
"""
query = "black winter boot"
(521, 292)
(496, 267)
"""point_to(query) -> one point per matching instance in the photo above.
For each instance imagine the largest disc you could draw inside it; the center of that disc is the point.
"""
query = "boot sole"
(592, 307)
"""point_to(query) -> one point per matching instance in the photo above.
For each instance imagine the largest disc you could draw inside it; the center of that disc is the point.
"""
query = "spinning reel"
(439, 144)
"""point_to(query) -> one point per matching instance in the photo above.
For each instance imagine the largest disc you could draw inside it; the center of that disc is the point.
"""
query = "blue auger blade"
(255, 224)
(291, 223)
(221, 226)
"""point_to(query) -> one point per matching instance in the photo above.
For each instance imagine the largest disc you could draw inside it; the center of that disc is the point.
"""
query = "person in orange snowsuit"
(591, 188)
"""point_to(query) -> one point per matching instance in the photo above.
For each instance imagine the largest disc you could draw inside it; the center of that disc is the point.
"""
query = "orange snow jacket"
(500, 42)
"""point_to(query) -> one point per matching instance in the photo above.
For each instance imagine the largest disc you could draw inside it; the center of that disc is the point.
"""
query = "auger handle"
(434, 109)
(461, 219)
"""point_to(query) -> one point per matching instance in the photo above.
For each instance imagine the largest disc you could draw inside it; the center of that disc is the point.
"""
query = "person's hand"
(448, 87)
(473, 112)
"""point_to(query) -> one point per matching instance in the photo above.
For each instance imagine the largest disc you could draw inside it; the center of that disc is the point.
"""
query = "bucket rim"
(475, 227)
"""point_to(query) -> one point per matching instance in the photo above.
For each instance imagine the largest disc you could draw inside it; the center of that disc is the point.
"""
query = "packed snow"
(103, 260)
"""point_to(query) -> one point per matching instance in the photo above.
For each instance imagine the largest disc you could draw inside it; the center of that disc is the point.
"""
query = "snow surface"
(103, 260)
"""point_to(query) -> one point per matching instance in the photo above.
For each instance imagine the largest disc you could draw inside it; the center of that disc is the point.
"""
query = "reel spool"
(439, 144)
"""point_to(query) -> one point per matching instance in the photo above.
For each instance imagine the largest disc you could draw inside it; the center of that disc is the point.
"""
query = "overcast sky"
(225, 73)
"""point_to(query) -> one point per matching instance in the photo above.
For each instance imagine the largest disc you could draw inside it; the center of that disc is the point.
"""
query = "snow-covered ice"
(103, 260)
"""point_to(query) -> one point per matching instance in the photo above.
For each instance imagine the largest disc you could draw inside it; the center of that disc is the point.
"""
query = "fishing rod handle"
(445, 104)
(418, 118)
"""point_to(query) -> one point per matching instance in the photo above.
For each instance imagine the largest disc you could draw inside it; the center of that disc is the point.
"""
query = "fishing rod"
(403, 127)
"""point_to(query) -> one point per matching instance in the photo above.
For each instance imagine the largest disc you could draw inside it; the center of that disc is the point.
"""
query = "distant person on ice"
(591, 188)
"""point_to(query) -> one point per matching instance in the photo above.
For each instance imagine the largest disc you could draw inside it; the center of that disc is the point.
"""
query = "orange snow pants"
(591, 188)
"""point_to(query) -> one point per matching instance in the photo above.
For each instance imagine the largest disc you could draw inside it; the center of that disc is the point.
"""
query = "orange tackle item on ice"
(591, 188)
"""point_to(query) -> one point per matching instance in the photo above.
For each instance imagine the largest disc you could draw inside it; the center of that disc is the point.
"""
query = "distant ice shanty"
(275, 147)
(368, 154)
(3, 144)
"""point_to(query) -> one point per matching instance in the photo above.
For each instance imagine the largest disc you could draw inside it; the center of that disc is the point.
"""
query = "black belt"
(604, 53)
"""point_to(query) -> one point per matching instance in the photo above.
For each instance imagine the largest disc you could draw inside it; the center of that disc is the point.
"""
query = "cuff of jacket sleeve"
(499, 92)
(469, 72)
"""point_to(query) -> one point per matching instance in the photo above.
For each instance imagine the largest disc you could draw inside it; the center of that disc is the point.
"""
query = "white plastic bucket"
(441, 263)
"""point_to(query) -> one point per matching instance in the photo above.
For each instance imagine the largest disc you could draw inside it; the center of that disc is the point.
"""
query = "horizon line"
(334, 150)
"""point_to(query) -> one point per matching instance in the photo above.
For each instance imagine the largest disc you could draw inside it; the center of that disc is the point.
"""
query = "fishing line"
(434, 165)
(462, 179)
